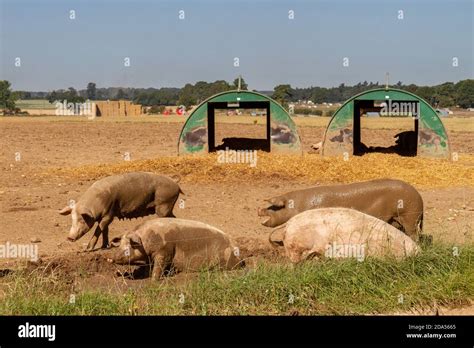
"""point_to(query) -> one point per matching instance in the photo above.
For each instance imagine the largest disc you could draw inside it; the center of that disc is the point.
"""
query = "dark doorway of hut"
(403, 141)
(222, 115)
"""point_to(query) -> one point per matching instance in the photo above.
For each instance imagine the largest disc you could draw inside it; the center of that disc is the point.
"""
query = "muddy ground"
(29, 200)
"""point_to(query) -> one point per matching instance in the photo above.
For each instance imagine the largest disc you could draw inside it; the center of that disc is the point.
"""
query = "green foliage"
(186, 97)
(70, 96)
(283, 94)
(8, 98)
(465, 93)
(162, 96)
(443, 95)
(156, 109)
(329, 113)
(338, 287)
(120, 95)
(243, 85)
(91, 91)
(195, 94)
(308, 111)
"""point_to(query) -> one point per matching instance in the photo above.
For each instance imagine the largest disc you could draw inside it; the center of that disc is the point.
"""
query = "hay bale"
(310, 168)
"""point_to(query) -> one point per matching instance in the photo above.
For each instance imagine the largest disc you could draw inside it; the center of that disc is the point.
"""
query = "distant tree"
(70, 96)
(243, 85)
(282, 94)
(186, 97)
(152, 96)
(193, 94)
(101, 94)
(73, 97)
(427, 93)
(445, 94)
(411, 88)
(215, 87)
(24, 95)
(465, 93)
(329, 113)
(319, 95)
(334, 95)
(156, 109)
(91, 91)
(8, 98)
(120, 95)
(53, 96)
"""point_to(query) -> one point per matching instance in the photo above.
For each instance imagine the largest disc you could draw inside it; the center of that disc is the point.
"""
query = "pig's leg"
(94, 238)
(159, 265)
(165, 209)
(105, 237)
(104, 226)
(162, 210)
(162, 261)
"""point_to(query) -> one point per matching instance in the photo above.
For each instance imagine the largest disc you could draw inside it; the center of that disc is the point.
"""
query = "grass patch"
(326, 287)
(34, 104)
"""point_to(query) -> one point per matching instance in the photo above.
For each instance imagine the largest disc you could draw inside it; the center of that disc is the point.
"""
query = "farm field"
(34, 104)
(59, 157)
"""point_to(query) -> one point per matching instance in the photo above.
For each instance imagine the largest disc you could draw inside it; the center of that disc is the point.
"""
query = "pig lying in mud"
(124, 196)
(174, 245)
(386, 199)
(342, 233)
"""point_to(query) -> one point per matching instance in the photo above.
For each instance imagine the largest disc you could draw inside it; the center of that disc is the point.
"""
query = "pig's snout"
(262, 212)
(71, 239)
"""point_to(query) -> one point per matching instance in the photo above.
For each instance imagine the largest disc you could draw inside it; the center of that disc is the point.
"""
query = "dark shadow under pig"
(392, 201)
(124, 196)
(175, 245)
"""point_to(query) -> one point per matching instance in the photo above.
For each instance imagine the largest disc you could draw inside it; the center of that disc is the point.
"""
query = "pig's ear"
(135, 241)
(277, 202)
(66, 210)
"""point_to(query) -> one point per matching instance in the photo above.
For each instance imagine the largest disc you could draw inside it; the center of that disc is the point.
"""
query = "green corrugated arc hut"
(342, 135)
(198, 133)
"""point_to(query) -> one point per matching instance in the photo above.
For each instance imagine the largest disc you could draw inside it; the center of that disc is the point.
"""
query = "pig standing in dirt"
(342, 233)
(124, 196)
(386, 199)
(175, 245)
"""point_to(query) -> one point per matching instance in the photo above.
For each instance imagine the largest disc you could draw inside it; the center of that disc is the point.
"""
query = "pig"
(124, 196)
(174, 245)
(342, 232)
(392, 201)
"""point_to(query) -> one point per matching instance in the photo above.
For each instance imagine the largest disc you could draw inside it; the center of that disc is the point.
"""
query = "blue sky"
(164, 51)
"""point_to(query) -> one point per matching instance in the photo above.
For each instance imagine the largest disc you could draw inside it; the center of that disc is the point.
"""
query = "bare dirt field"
(36, 152)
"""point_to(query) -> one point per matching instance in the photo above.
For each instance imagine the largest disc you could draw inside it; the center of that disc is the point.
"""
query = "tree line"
(444, 95)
